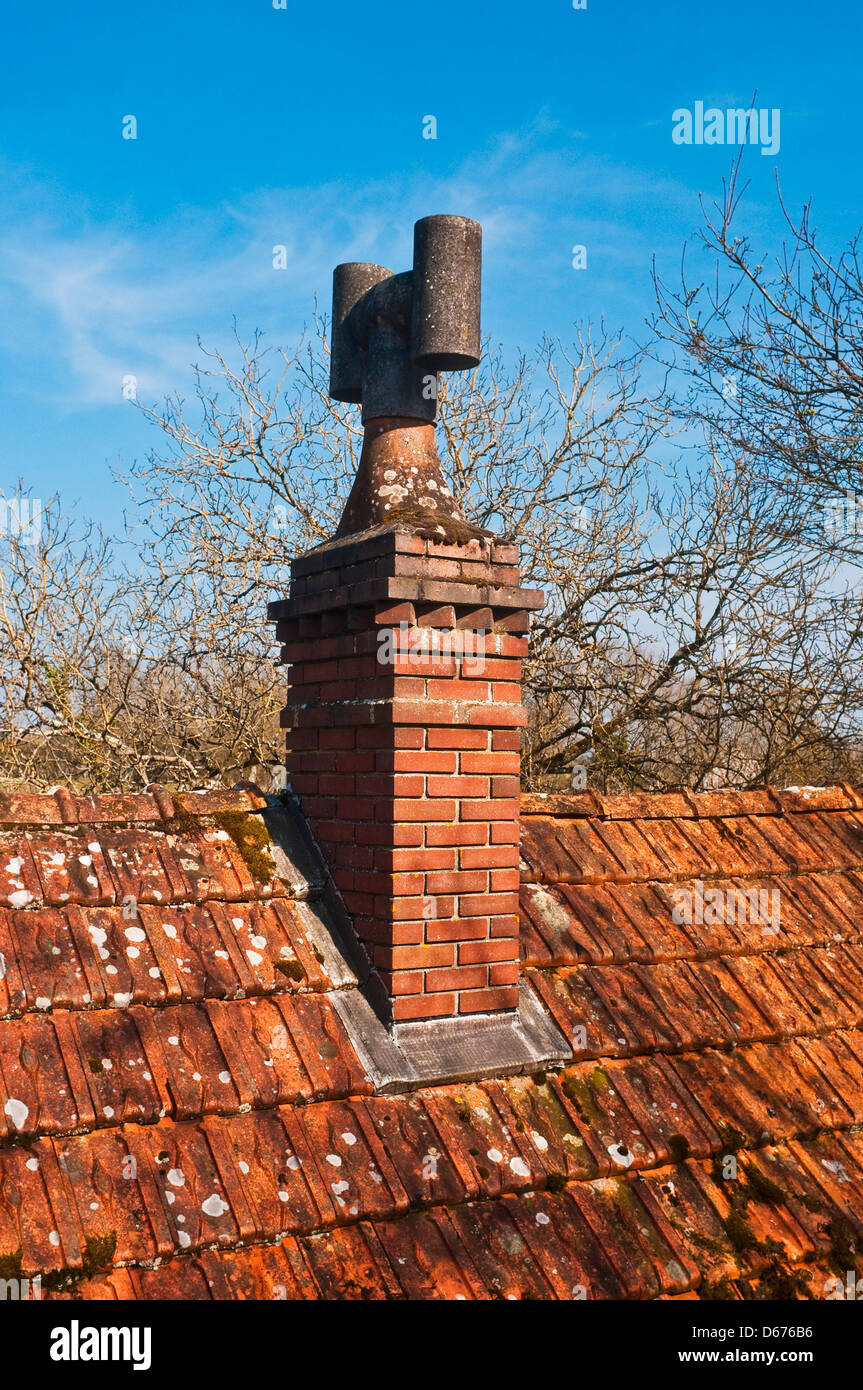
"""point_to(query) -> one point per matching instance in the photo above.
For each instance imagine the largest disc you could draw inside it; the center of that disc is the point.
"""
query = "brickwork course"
(403, 737)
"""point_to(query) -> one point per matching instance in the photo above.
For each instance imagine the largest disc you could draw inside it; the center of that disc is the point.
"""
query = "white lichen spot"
(185, 1239)
(620, 1154)
(542, 1219)
(176, 1177)
(32, 1164)
(20, 898)
(540, 1140)
(495, 1155)
(519, 1167)
(17, 1112)
(169, 929)
(224, 1077)
(54, 1237)
(215, 1205)
(42, 1002)
(334, 1160)
(349, 1138)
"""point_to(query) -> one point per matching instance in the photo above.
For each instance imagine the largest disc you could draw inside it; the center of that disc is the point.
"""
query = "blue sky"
(259, 126)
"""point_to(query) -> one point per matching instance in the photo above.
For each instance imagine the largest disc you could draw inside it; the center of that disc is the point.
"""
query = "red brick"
(422, 860)
(490, 762)
(476, 1001)
(472, 952)
(458, 690)
(389, 934)
(340, 690)
(426, 712)
(458, 786)
(384, 736)
(407, 810)
(336, 738)
(458, 929)
(403, 981)
(330, 784)
(409, 761)
(466, 977)
(487, 904)
(458, 882)
(504, 974)
(489, 810)
(494, 715)
(504, 926)
(457, 834)
(506, 740)
(506, 691)
(413, 957)
(457, 738)
(412, 664)
(505, 832)
(412, 1007)
(505, 880)
(496, 669)
(356, 808)
(489, 857)
(410, 909)
(404, 884)
(505, 787)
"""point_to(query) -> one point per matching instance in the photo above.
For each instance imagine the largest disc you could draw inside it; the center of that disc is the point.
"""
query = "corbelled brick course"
(403, 717)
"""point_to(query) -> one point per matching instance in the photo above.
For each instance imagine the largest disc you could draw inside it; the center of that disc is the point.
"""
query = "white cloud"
(83, 304)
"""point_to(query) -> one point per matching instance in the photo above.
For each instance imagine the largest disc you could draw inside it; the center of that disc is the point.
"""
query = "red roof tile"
(182, 1113)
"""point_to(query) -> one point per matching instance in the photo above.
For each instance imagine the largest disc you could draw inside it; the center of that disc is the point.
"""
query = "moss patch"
(292, 968)
(763, 1185)
(10, 1264)
(740, 1233)
(252, 839)
(844, 1243)
(679, 1147)
(98, 1253)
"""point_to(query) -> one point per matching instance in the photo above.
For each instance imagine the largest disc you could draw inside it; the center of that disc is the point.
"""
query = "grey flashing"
(402, 1056)
(451, 1049)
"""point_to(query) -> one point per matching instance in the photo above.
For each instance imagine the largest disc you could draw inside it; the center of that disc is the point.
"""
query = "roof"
(183, 1114)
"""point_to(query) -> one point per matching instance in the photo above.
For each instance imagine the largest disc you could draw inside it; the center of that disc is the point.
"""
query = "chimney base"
(442, 1051)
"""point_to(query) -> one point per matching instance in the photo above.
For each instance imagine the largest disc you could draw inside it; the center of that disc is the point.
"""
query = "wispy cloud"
(85, 302)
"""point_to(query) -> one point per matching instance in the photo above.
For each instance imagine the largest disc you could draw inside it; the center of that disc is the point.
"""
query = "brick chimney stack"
(403, 717)
(405, 636)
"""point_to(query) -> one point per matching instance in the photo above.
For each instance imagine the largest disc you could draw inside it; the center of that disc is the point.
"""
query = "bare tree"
(700, 626)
